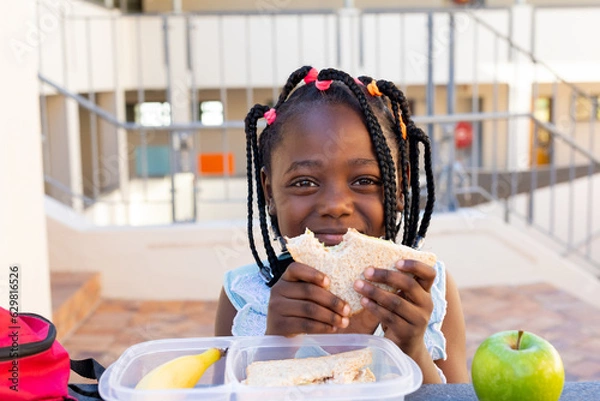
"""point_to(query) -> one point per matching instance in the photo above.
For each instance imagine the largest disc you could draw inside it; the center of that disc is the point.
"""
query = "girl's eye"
(367, 181)
(303, 183)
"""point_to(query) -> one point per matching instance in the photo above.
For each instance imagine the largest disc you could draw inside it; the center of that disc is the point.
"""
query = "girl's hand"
(301, 303)
(405, 313)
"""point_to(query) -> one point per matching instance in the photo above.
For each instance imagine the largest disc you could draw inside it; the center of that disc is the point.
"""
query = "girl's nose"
(336, 202)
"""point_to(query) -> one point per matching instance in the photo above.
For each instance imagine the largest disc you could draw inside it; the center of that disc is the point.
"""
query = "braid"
(413, 146)
(413, 155)
(393, 93)
(294, 79)
(254, 162)
(410, 152)
(404, 166)
(427, 160)
(253, 165)
(424, 139)
(382, 150)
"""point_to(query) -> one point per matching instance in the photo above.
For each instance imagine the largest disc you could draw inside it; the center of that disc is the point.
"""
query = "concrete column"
(180, 93)
(23, 237)
(520, 90)
(65, 150)
(111, 161)
(180, 98)
(122, 150)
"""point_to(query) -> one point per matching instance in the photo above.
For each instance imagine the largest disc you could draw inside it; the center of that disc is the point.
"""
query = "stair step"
(74, 296)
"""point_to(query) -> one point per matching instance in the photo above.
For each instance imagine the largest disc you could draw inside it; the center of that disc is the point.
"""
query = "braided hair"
(394, 136)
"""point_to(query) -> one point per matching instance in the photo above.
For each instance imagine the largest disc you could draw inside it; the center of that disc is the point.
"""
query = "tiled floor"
(571, 325)
(73, 294)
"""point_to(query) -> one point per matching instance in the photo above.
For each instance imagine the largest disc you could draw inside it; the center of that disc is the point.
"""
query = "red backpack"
(33, 365)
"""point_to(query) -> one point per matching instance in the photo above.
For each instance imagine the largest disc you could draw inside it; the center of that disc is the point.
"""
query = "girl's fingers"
(409, 276)
(310, 312)
(306, 292)
(303, 282)
(386, 317)
(422, 273)
(393, 305)
(301, 272)
(301, 303)
(387, 305)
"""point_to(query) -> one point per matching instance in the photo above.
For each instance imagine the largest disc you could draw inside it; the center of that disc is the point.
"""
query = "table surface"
(573, 391)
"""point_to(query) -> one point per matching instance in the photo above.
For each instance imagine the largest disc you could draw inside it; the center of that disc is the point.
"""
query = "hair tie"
(323, 85)
(403, 128)
(373, 89)
(358, 81)
(311, 76)
(270, 116)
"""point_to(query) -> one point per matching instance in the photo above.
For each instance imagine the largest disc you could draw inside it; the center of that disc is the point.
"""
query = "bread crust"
(345, 263)
(343, 368)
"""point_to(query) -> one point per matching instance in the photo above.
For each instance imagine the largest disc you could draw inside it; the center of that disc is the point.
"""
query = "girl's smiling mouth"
(330, 237)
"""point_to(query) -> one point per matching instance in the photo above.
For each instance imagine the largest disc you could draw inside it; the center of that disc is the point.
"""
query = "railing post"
(169, 91)
(93, 117)
(452, 200)
(520, 90)
(591, 168)
(430, 95)
(195, 139)
(141, 98)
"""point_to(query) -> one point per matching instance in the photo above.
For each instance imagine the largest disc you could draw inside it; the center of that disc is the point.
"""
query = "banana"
(182, 372)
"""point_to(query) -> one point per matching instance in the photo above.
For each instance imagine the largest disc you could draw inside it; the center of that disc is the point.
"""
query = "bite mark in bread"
(345, 263)
(342, 368)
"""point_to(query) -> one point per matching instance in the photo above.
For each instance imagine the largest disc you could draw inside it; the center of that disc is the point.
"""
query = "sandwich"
(342, 368)
(345, 263)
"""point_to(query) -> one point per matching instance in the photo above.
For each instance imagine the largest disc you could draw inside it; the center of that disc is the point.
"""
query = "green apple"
(517, 366)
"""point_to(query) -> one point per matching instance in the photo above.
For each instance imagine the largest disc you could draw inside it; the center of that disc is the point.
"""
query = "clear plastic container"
(396, 374)
(119, 380)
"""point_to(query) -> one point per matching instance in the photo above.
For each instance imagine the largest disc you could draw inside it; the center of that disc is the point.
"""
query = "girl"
(329, 158)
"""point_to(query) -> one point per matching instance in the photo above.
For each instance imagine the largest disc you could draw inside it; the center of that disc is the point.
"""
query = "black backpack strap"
(90, 369)
(84, 392)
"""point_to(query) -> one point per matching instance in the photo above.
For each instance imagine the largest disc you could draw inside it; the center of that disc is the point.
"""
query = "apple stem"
(519, 336)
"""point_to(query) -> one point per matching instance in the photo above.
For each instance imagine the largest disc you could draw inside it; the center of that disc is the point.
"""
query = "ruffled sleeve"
(249, 295)
(434, 338)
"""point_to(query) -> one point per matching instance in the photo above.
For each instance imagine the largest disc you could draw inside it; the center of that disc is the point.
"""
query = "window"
(541, 139)
(584, 108)
(543, 109)
(129, 6)
(211, 113)
(153, 114)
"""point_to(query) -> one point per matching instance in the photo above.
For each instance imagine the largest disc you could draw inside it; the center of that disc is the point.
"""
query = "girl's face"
(325, 176)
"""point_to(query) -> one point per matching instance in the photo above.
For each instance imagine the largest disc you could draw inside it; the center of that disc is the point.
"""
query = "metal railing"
(488, 172)
(556, 201)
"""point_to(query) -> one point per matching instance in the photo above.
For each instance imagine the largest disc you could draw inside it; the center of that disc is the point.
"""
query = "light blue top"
(249, 295)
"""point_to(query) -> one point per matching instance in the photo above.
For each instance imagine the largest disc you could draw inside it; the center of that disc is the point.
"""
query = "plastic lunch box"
(397, 375)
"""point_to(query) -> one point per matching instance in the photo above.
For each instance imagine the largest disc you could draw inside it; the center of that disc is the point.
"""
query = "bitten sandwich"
(342, 368)
(345, 263)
